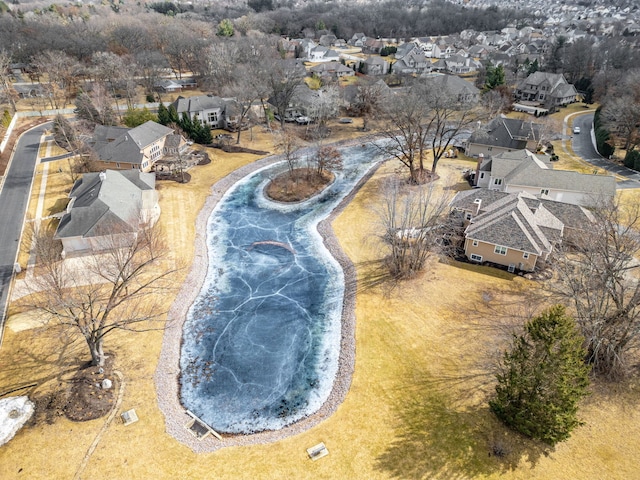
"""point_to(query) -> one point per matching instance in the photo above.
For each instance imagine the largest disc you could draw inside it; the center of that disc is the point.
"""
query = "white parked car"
(576, 129)
(303, 120)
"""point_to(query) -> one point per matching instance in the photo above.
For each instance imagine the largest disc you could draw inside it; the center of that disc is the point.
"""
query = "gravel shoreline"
(168, 370)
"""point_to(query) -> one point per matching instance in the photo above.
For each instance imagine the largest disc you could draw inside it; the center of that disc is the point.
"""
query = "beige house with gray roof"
(516, 230)
(137, 148)
(524, 171)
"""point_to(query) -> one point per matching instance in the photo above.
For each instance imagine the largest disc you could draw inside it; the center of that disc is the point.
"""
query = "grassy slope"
(416, 408)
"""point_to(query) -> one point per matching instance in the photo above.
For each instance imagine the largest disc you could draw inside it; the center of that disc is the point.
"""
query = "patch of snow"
(14, 413)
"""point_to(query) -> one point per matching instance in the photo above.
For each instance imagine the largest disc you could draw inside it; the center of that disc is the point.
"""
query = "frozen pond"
(262, 339)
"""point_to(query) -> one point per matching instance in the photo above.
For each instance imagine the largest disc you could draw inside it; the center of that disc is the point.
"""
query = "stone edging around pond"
(168, 370)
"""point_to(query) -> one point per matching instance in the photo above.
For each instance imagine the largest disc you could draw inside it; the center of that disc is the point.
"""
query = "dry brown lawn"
(417, 403)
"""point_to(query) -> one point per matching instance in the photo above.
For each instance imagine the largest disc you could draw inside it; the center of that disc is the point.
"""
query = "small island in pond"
(298, 184)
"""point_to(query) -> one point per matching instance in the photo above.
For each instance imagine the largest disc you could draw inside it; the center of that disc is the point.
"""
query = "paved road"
(584, 145)
(14, 198)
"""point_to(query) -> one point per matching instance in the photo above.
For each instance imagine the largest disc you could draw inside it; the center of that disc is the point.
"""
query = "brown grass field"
(417, 404)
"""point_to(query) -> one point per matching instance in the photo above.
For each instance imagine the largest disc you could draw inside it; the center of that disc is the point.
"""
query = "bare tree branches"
(597, 274)
(288, 144)
(411, 220)
(117, 287)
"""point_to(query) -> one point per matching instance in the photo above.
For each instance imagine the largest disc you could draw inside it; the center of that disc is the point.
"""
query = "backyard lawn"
(417, 404)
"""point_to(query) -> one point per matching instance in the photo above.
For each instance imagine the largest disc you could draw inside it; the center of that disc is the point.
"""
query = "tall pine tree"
(543, 377)
(163, 115)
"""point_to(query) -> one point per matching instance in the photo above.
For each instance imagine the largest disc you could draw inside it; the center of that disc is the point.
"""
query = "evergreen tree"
(533, 67)
(173, 115)
(543, 377)
(201, 133)
(163, 115)
(495, 77)
(225, 28)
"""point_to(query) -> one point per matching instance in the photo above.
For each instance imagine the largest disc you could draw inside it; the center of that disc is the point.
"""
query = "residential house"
(357, 40)
(288, 48)
(464, 91)
(300, 105)
(351, 93)
(524, 171)
(516, 230)
(458, 65)
(412, 63)
(332, 70)
(372, 45)
(407, 49)
(213, 111)
(136, 148)
(106, 208)
(327, 40)
(375, 65)
(503, 134)
(478, 51)
(167, 86)
(547, 89)
(322, 54)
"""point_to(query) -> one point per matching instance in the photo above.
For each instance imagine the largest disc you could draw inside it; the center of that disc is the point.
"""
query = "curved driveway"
(584, 146)
(14, 198)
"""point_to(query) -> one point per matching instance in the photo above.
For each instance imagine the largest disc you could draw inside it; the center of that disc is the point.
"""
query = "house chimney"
(478, 202)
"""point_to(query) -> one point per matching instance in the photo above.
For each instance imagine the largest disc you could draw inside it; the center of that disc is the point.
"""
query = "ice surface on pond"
(261, 342)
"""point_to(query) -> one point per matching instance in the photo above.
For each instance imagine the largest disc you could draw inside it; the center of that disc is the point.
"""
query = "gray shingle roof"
(507, 133)
(511, 223)
(530, 174)
(198, 103)
(106, 200)
(116, 144)
(452, 84)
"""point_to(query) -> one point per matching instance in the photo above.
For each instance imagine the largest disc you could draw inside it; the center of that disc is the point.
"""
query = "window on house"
(500, 250)
(489, 149)
(544, 191)
(212, 117)
(475, 258)
(468, 217)
(481, 174)
(475, 243)
(497, 181)
(525, 255)
(117, 165)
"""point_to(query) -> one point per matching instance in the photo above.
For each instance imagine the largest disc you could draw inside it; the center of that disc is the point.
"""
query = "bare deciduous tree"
(63, 73)
(368, 101)
(283, 79)
(248, 85)
(410, 220)
(6, 89)
(288, 144)
(597, 275)
(118, 287)
(406, 118)
(621, 114)
(327, 158)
